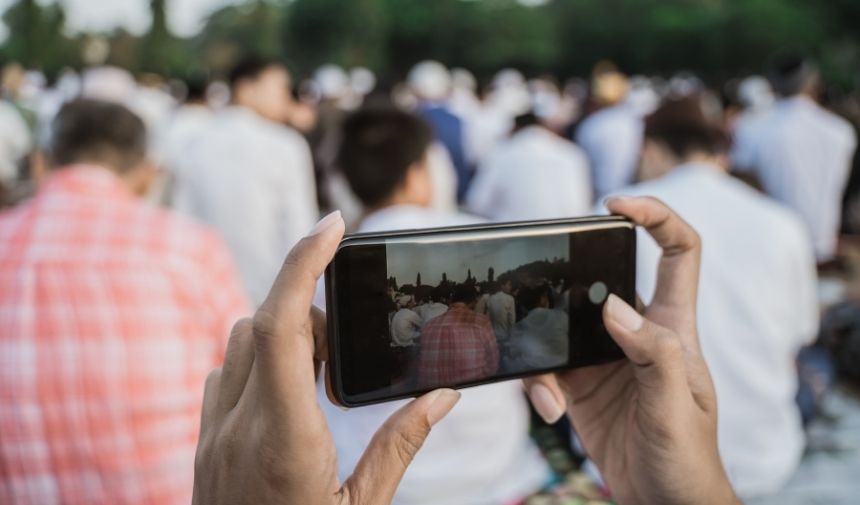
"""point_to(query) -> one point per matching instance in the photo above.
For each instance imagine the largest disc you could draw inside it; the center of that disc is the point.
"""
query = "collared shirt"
(533, 175)
(405, 327)
(253, 181)
(612, 139)
(803, 160)
(112, 313)
(502, 311)
(458, 346)
(757, 307)
(481, 452)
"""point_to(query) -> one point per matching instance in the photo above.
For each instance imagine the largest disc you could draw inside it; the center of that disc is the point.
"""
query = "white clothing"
(756, 307)
(480, 454)
(540, 340)
(612, 139)
(15, 142)
(502, 311)
(534, 175)
(747, 134)
(253, 181)
(443, 177)
(405, 327)
(803, 160)
(430, 310)
(186, 125)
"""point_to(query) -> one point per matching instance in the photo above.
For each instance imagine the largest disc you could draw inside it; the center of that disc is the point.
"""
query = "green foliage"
(717, 39)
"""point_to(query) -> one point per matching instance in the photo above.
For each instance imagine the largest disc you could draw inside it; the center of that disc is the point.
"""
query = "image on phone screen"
(454, 309)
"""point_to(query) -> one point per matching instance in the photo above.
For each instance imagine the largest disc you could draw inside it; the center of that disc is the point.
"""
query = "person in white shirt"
(533, 175)
(756, 96)
(612, 138)
(481, 454)
(501, 308)
(757, 291)
(540, 340)
(15, 144)
(250, 176)
(434, 307)
(406, 323)
(804, 154)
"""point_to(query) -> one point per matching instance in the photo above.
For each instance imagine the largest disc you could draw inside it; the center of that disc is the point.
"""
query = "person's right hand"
(649, 422)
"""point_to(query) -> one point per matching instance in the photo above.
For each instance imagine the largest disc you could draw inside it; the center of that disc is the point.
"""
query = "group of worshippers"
(113, 310)
(458, 334)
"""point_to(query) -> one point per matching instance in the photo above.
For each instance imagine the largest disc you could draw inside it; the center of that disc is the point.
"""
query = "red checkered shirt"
(456, 347)
(112, 313)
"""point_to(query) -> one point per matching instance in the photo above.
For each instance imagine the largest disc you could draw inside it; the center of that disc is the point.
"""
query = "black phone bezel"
(333, 334)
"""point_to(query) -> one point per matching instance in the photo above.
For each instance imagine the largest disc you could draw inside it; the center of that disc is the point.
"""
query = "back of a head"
(791, 73)
(249, 68)
(379, 145)
(464, 293)
(688, 124)
(195, 88)
(430, 80)
(97, 132)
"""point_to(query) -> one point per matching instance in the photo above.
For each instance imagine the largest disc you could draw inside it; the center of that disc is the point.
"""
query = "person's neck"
(398, 200)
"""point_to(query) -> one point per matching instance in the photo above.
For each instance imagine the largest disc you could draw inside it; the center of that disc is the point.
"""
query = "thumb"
(656, 352)
(393, 447)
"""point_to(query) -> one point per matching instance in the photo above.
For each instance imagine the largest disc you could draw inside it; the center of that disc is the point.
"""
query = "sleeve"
(806, 290)
(226, 298)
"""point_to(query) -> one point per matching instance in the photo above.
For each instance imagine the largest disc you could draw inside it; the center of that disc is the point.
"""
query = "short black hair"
(464, 293)
(790, 71)
(686, 125)
(195, 87)
(378, 145)
(94, 131)
(250, 67)
(531, 297)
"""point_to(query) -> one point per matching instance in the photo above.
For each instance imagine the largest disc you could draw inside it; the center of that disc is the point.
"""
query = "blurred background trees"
(716, 39)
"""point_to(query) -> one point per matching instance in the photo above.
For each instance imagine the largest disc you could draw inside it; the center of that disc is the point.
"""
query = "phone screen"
(464, 307)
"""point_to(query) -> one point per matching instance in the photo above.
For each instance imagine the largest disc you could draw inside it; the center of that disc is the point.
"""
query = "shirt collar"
(87, 180)
(377, 220)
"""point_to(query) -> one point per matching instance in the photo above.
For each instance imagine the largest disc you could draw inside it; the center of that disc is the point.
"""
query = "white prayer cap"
(430, 80)
(404, 300)
(755, 92)
(463, 79)
(110, 84)
(545, 98)
(642, 97)
(684, 84)
(509, 77)
(362, 80)
(332, 81)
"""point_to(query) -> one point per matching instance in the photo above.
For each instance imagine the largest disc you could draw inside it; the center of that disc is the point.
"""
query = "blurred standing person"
(188, 122)
(612, 136)
(756, 97)
(112, 314)
(533, 175)
(431, 83)
(502, 310)
(482, 452)
(250, 176)
(757, 296)
(406, 323)
(805, 152)
(435, 306)
(15, 145)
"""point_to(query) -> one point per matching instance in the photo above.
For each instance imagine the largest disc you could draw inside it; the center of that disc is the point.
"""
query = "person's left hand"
(263, 437)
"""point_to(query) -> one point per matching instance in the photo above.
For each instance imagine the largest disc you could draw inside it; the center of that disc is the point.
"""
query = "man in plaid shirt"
(112, 313)
(459, 345)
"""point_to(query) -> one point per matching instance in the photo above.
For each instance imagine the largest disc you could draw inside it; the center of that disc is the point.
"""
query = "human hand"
(649, 422)
(263, 438)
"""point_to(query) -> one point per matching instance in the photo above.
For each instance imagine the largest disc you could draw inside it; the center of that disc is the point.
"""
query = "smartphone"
(412, 311)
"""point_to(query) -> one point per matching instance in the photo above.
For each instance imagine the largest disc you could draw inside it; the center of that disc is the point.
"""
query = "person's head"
(506, 285)
(383, 154)
(262, 85)
(792, 73)
(466, 294)
(430, 80)
(105, 134)
(534, 298)
(195, 89)
(683, 130)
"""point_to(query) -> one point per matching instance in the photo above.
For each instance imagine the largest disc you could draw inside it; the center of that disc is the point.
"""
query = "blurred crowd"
(144, 215)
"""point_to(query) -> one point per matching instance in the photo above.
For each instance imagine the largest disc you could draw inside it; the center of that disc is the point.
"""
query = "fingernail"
(442, 403)
(623, 314)
(326, 223)
(545, 403)
(615, 197)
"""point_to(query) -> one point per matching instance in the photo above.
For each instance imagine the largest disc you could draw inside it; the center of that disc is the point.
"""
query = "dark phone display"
(413, 314)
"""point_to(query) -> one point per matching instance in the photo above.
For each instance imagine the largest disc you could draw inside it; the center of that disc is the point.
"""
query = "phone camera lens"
(598, 292)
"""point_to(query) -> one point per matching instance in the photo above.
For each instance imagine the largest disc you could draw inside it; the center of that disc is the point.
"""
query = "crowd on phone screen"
(144, 215)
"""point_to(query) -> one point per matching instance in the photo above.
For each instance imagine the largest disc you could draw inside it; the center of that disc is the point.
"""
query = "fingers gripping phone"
(412, 311)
